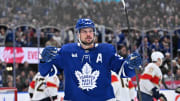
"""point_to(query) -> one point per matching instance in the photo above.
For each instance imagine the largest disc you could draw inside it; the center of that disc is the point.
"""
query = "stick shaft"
(137, 80)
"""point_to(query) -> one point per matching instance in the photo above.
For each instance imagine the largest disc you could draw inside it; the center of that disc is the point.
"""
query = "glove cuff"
(155, 92)
(42, 61)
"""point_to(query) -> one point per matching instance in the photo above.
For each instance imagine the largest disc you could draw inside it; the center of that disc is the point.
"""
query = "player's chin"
(88, 42)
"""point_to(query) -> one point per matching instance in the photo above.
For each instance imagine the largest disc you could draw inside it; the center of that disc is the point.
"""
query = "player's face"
(160, 61)
(86, 36)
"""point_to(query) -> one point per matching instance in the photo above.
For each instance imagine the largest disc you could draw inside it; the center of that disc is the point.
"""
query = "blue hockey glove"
(134, 60)
(48, 54)
(155, 92)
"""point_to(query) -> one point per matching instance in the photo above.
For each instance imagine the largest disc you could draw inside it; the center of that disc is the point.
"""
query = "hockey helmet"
(84, 23)
(155, 55)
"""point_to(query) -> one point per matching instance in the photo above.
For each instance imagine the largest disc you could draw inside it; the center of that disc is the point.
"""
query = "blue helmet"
(84, 23)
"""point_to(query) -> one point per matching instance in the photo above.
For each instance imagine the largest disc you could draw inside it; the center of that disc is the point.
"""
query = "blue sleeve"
(117, 63)
(45, 68)
(128, 72)
(58, 62)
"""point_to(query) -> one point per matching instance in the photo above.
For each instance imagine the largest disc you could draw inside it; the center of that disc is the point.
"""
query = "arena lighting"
(9, 68)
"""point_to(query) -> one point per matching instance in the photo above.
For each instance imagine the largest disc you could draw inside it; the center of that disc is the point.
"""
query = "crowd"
(142, 14)
(34, 14)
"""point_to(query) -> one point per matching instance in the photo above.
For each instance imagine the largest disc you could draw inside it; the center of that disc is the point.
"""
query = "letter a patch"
(99, 58)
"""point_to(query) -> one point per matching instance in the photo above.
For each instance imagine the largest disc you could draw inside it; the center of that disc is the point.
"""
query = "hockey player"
(44, 88)
(123, 88)
(87, 66)
(132, 91)
(115, 81)
(151, 78)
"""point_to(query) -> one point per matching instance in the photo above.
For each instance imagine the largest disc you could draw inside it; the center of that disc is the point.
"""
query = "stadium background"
(33, 24)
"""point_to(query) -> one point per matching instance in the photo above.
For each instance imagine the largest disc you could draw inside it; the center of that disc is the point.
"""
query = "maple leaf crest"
(87, 79)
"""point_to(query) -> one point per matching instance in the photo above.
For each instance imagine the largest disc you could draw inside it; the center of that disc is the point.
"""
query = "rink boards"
(24, 96)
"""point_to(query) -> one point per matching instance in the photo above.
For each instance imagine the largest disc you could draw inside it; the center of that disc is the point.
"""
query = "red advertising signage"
(19, 54)
(8, 54)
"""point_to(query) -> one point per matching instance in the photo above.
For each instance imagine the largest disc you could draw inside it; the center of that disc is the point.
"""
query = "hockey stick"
(136, 70)
(137, 80)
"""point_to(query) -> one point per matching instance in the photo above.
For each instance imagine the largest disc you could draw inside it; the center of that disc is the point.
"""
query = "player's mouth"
(89, 38)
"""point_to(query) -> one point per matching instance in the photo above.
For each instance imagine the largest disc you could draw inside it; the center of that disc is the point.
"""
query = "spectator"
(70, 36)
(52, 41)
(26, 68)
(43, 39)
(17, 68)
(31, 75)
(24, 81)
(58, 37)
(19, 85)
(34, 40)
(1, 73)
(178, 62)
(121, 38)
(19, 43)
(174, 66)
(166, 66)
(156, 45)
(177, 76)
(147, 48)
(2, 37)
(9, 38)
(9, 81)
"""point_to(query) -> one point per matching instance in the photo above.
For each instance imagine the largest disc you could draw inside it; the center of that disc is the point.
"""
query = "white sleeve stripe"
(121, 71)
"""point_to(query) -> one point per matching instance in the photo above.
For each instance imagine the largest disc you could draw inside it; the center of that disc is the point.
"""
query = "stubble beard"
(88, 43)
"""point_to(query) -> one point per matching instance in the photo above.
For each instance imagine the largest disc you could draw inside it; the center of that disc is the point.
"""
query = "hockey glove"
(177, 90)
(48, 54)
(134, 60)
(162, 97)
(155, 92)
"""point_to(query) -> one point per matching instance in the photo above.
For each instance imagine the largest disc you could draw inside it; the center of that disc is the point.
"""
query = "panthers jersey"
(116, 84)
(88, 72)
(43, 87)
(150, 78)
(123, 88)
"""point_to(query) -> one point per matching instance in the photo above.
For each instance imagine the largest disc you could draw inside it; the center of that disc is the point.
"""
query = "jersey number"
(124, 84)
(39, 88)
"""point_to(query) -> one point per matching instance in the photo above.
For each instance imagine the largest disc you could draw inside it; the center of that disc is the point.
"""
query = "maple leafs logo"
(87, 79)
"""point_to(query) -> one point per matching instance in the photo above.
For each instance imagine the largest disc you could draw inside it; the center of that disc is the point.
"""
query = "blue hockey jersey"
(88, 72)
